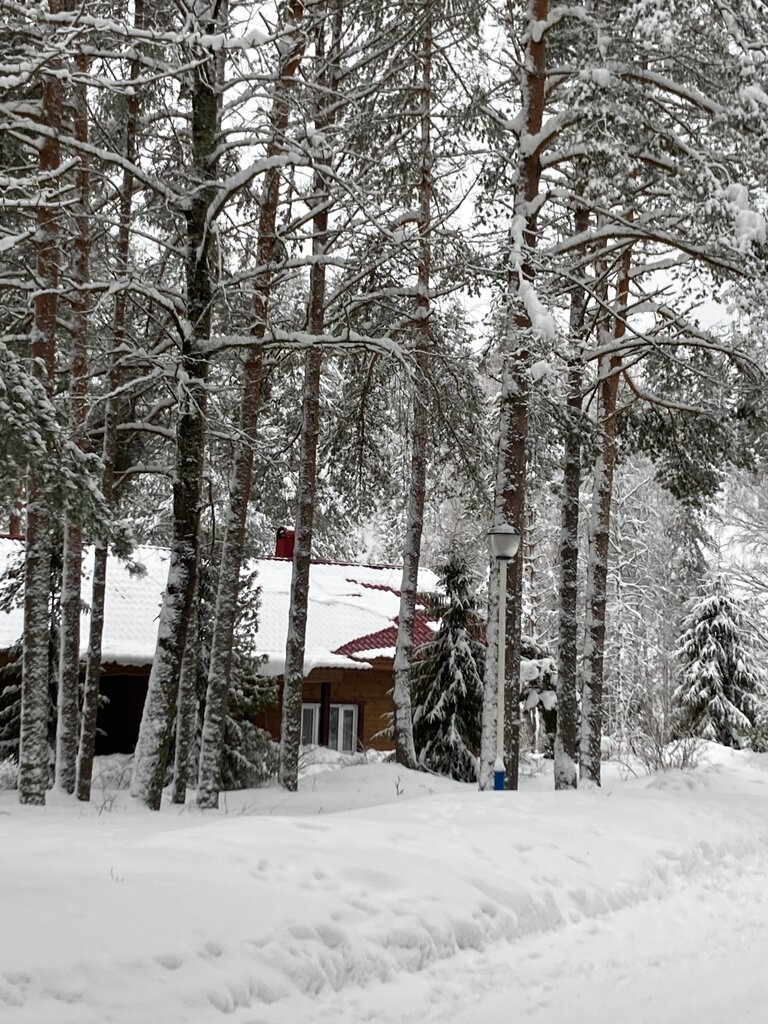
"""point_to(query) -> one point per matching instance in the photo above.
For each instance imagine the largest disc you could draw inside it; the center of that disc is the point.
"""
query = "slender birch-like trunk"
(609, 368)
(68, 709)
(509, 498)
(90, 707)
(567, 732)
(217, 693)
(160, 706)
(405, 752)
(293, 676)
(33, 749)
(490, 686)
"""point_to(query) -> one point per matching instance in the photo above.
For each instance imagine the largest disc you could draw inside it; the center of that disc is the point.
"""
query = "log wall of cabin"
(370, 689)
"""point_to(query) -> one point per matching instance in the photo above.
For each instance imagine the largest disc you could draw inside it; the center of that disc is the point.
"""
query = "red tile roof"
(382, 639)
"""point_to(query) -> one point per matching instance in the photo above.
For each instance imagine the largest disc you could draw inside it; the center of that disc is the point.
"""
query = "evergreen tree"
(448, 681)
(721, 688)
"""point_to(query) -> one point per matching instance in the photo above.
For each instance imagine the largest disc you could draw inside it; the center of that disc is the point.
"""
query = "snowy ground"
(380, 895)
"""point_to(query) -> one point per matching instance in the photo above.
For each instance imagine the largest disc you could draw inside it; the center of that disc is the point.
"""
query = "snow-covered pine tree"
(722, 689)
(327, 60)
(195, 330)
(33, 750)
(291, 43)
(118, 336)
(447, 681)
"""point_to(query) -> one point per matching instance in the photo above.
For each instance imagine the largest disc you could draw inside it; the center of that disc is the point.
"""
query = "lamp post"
(503, 540)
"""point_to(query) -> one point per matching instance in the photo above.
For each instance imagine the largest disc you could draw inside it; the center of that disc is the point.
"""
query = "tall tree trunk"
(293, 675)
(68, 710)
(405, 752)
(609, 367)
(33, 750)
(186, 713)
(510, 488)
(14, 522)
(567, 732)
(509, 500)
(90, 707)
(217, 693)
(160, 706)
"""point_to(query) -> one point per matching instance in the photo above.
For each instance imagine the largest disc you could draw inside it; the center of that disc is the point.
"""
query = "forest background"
(243, 253)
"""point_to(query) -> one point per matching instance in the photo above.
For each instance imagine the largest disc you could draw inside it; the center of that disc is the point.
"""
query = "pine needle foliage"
(722, 689)
(448, 680)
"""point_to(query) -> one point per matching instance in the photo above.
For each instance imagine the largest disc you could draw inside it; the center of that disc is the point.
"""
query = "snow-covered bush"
(112, 771)
(656, 755)
(250, 755)
(9, 773)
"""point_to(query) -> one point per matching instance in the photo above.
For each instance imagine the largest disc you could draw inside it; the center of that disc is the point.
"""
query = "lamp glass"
(503, 540)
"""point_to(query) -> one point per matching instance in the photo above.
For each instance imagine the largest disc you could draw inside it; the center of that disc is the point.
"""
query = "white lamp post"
(503, 540)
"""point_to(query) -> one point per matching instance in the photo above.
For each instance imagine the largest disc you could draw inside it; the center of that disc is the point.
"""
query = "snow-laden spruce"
(722, 690)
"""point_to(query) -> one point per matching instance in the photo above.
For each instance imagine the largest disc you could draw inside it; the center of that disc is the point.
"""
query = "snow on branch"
(276, 338)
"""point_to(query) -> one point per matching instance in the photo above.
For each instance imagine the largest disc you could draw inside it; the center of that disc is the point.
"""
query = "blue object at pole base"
(498, 780)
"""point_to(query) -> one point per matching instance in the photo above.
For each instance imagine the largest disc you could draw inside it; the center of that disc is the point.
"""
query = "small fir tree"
(722, 690)
(448, 681)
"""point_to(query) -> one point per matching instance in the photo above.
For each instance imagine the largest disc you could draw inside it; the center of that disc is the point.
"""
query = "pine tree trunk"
(90, 707)
(293, 676)
(510, 505)
(567, 733)
(33, 747)
(33, 750)
(405, 752)
(67, 705)
(186, 715)
(217, 692)
(566, 749)
(159, 712)
(68, 710)
(597, 568)
(509, 499)
(14, 521)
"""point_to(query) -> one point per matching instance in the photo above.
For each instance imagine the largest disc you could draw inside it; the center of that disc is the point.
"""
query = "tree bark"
(90, 707)
(217, 693)
(405, 752)
(599, 541)
(186, 715)
(566, 749)
(293, 676)
(33, 750)
(509, 499)
(160, 706)
(68, 709)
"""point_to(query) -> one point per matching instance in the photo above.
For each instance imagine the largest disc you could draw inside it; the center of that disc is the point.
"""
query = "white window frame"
(314, 707)
(340, 736)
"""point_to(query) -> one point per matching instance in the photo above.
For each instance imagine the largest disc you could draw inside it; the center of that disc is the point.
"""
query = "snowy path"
(699, 956)
(378, 896)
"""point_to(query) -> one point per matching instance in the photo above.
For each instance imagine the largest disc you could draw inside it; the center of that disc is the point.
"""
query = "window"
(342, 728)
(310, 724)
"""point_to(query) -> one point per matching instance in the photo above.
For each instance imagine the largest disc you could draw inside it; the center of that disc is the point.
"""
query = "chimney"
(284, 542)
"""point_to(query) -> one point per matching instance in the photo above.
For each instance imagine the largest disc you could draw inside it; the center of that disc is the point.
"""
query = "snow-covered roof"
(131, 607)
(348, 603)
(349, 606)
